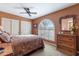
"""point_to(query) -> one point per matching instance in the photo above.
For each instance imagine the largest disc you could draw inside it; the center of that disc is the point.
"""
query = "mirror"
(67, 23)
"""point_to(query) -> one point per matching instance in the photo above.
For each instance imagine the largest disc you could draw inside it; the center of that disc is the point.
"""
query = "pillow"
(5, 37)
(7, 33)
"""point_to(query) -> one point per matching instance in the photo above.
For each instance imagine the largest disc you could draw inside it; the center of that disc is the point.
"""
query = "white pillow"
(5, 37)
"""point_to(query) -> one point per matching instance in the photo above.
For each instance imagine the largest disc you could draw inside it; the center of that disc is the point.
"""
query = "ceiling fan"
(27, 10)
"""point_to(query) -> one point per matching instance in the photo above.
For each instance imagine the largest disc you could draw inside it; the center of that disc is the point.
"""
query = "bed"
(24, 44)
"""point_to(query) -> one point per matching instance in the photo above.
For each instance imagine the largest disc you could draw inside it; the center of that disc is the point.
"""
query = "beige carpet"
(49, 50)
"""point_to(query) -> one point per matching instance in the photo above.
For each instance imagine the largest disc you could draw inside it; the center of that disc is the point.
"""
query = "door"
(25, 28)
(6, 24)
(15, 27)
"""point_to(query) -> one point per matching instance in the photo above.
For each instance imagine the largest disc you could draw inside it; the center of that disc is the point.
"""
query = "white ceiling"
(41, 8)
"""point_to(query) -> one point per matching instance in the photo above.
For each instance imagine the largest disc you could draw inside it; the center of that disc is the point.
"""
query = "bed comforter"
(24, 44)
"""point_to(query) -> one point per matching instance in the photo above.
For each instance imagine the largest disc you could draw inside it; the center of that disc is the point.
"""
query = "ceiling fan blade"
(33, 12)
(29, 14)
(23, 13)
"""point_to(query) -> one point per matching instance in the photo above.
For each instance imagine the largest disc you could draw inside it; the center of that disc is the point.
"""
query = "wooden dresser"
(68, 44)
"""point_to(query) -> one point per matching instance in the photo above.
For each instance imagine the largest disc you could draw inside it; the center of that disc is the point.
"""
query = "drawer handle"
(70, 39)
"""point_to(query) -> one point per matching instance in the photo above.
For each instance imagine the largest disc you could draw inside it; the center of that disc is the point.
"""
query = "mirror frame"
(65, 17)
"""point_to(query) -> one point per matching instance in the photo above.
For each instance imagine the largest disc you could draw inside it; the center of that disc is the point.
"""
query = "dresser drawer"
(67, 44)
(66, 50)
(59, 37)
(69, 39)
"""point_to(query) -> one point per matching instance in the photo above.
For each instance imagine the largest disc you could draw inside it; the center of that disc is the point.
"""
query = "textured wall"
(54, 17)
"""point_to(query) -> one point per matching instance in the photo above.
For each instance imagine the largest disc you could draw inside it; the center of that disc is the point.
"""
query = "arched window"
(46, 29)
